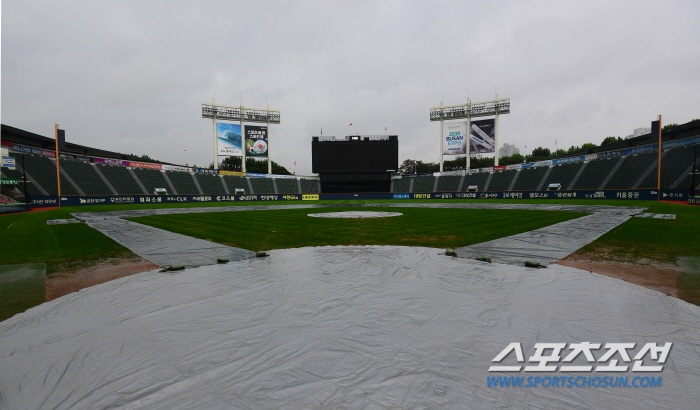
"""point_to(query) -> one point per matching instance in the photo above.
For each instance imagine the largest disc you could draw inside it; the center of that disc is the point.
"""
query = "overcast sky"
(130, 76)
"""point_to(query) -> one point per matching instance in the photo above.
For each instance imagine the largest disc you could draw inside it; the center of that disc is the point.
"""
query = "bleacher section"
(233, 182)
(448, 183)
(287, 186)
(85, 176)
(501, 180)
(262, 185)
(152, 179)
(631, 170)
(402, 185)
(478, 179)
(423, 184)
(309, 186)
(42, 170)
(66, 187)
(210, 184)
(529, 178)
(183, 183)
(595, 173)
(563, 174)
(121, 179)
(673, 164)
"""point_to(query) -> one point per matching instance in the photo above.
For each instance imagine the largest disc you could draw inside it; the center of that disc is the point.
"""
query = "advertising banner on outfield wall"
(229, 139)
(256, 141)
(454, 135)
(482, 135)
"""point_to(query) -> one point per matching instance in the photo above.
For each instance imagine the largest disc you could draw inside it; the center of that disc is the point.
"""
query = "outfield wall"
(641, 194)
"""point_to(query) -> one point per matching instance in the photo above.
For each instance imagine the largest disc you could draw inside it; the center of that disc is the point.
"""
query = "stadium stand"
(210, 184)
(596, 172)
(287, 186)
(501, 180)
(66, 187)
(121, 179)
(151, 179)
(478, 179)
(262, 185)
(234, 182)
(529, 178)
(631, 169)
(42, 170)
(183, 182)
(562, 174)
(423, 184)
(85, 176)
(309, 186)
(673, 165)
(448, 183)
(402, 185)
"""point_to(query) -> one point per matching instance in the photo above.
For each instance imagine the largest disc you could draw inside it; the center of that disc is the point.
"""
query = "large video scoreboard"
(356, 153)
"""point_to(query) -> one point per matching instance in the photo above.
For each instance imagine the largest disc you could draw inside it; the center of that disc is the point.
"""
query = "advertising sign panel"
(454, 136)
(482, 134)
(229, 139)
(8, 162)
(256, 141)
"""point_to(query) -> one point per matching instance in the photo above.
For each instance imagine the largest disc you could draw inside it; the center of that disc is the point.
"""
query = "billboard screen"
(355, 156)
(229, 139)
(256, 141)
(482, 136)
(454, 138)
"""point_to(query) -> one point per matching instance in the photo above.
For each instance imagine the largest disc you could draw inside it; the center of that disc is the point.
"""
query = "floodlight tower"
(241, 114)
(469, 110)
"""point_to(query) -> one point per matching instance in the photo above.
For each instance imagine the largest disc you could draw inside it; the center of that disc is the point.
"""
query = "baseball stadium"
(132, 284)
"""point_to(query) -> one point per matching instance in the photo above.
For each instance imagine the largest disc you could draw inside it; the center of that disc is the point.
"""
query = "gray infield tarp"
(371, 327)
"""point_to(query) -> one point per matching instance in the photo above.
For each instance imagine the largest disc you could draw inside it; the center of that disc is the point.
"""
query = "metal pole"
(695, 168)
(216, 140)
(242, 138)
(659, 167)
(469, 133)
(441, 137)
(495, 132)
(58, 173)
(26, 192)
(269, 158)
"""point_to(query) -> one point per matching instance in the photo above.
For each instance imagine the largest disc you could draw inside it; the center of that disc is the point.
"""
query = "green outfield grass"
(27, 238)
(21, 287)
(292, 228)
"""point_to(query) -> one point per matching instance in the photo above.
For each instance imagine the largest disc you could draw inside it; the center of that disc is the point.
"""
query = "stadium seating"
(423, 184)
(478, 179)
(402, 185)
(234, 182)
(42, 170)
(262, 185)
(152, 179)
(183, 183)
(562, 174)
(501, 180)
(632, 168)
(210, 184)
(529, 178)
(85, 176)
(673, 164)
(121, 179)
(287, 186)
(309, 186)
(448, 183)
(595, 173)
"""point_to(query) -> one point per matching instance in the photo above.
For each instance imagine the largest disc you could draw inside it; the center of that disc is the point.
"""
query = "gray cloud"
(129, 76)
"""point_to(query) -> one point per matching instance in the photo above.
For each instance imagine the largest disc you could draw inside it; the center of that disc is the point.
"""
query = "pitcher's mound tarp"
(339, 327)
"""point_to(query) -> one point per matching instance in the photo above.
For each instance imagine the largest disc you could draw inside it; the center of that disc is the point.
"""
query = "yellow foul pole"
(58, 172)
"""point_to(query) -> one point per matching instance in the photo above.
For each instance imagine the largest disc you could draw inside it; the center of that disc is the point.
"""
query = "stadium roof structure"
(33, 140)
